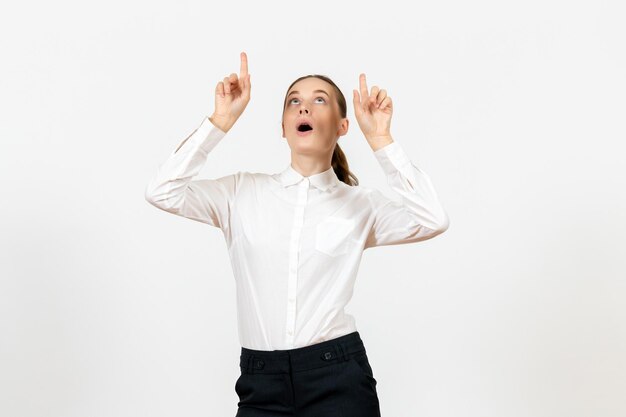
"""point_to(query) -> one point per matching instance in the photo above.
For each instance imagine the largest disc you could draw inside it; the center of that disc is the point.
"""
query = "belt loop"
(342, 354)
(249, 366)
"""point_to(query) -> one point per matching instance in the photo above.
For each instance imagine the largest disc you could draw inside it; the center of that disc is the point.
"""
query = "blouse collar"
(322, 180)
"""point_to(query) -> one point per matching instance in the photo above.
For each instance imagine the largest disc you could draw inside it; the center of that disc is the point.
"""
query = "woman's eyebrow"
(316, 91)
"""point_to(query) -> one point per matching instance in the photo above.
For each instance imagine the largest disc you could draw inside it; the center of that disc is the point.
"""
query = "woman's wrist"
(220, 122)
(378, 142)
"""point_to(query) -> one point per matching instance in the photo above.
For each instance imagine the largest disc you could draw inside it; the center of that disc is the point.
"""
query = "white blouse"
(295, 242)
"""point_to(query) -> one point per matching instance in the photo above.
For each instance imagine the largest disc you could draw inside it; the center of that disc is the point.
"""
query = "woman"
(295, 239)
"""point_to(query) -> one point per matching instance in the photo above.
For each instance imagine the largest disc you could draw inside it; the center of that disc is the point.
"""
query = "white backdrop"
(110, 307)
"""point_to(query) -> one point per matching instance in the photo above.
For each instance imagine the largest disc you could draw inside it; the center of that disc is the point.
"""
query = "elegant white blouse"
(295, 242)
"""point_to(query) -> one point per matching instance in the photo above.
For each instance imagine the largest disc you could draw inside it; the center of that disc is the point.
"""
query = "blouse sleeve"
(418, 216)
(174, 190)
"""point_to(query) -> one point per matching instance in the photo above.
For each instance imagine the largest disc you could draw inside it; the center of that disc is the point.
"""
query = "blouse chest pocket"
(333, 235)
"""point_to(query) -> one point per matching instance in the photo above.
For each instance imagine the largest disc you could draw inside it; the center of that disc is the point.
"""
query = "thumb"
(356, 100)
(246, 86)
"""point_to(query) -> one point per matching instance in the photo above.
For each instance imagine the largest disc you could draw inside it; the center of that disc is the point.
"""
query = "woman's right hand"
(231, 97)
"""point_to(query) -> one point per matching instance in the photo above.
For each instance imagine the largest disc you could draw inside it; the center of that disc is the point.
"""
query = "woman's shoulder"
(371, 195)
(359, 189)
(255, 175)
(255, 178)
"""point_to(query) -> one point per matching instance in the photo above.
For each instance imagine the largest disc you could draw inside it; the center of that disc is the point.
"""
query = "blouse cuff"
(392, 157)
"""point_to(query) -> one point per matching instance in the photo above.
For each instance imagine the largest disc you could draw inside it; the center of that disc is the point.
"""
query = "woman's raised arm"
(419, 215)
(209, 201)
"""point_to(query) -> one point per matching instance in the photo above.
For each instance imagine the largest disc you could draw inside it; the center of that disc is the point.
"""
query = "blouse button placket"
(292, 285)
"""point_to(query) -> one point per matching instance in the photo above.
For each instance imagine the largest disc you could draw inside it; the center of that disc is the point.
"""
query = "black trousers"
(332, 378)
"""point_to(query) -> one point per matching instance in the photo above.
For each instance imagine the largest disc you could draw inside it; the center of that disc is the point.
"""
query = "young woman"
(295, 240)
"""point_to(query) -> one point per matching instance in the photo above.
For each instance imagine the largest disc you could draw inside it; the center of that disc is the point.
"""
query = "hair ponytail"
(340, 166)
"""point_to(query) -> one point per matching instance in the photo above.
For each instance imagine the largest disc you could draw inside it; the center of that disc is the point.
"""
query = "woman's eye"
(316, 98)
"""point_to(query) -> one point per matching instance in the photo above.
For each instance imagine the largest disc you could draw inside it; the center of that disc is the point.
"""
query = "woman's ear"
(343, 126)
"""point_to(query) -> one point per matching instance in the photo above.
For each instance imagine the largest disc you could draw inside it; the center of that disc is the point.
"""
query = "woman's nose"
(304, 110)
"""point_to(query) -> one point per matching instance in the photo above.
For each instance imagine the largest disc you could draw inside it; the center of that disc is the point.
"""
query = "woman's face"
(313, 100)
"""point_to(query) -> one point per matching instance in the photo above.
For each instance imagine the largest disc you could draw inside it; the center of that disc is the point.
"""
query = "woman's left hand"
(373, 111)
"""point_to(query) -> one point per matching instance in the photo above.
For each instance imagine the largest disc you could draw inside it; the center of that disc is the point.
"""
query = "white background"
(110, 307)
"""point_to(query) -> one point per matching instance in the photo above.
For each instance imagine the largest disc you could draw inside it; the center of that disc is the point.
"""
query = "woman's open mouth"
(304, 129)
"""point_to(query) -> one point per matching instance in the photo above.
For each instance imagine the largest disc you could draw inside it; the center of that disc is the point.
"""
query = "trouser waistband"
(303, 358)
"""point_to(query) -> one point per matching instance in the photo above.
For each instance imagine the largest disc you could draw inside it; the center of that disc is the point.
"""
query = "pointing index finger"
(363, 87)
(243, 69)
